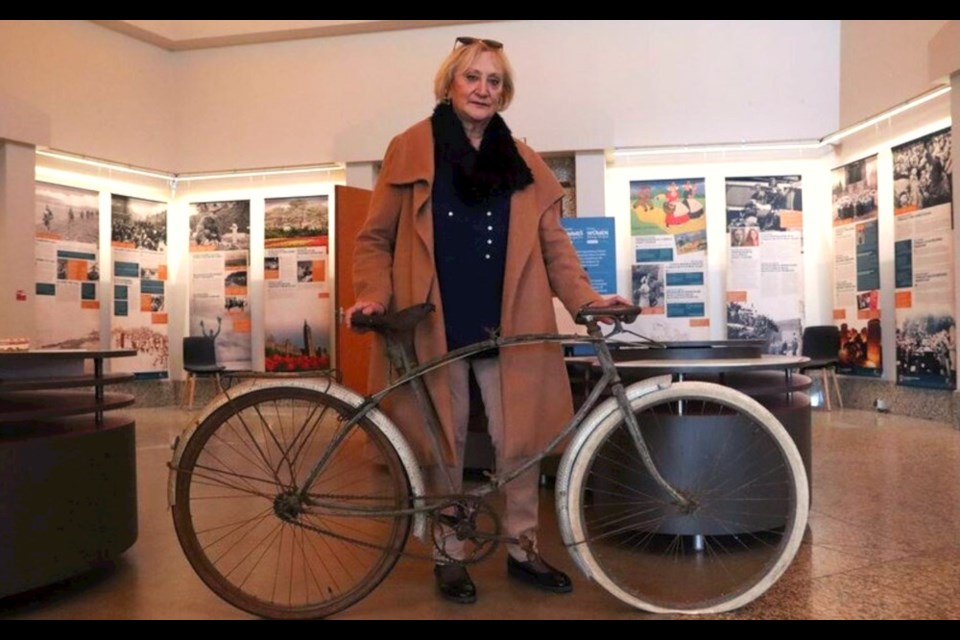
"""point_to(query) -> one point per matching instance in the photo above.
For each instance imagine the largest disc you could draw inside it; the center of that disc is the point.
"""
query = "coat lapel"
(414, 168)
(524, 224)
(526, 208)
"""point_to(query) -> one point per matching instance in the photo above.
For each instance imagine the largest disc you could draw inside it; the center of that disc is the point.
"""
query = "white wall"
(581, 85)
(883, 63)
(106, 95)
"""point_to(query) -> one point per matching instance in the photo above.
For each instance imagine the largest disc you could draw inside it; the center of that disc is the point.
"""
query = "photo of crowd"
(854, 191)
(138, 224)
(922, 172)
(926, 350)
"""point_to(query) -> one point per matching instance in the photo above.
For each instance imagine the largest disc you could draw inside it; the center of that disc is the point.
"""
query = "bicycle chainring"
(465, 529)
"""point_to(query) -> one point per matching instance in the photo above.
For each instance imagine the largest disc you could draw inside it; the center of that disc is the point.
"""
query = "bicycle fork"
(633, 427)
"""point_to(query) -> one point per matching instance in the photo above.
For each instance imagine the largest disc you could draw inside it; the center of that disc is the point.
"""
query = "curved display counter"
(68, 490)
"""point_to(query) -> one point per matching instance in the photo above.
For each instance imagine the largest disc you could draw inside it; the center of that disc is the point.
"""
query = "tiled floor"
(883, 542)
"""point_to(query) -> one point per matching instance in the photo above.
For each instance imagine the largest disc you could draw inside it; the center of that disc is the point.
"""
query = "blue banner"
(594, 240)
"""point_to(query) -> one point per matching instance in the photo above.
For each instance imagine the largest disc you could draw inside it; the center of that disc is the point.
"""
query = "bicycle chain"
(434, 515)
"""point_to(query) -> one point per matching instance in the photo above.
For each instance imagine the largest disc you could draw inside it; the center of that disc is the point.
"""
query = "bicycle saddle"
(393, 321)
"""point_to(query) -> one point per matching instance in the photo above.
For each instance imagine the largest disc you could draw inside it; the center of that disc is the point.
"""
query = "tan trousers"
(523, 493)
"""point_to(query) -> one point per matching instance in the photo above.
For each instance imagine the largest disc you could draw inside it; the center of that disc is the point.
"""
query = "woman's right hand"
(364, 307)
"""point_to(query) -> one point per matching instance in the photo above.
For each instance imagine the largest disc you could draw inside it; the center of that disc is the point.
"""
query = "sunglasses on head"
(467, 41)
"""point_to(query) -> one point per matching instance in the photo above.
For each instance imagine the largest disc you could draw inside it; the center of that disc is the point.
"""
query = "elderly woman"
(468, 218)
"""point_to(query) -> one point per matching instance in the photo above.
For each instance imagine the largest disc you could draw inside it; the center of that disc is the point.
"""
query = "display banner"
(138, 240)
(67, 271)
(765, 261)
(923, 262)
(856, 247)
(668, 224)
(296, 271)
(219, 261)
(594, 241)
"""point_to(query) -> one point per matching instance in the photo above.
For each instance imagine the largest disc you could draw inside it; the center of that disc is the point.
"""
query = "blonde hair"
(461, 58)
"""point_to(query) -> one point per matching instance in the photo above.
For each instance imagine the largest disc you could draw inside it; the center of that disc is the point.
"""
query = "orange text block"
(903, 299)
(791, 219)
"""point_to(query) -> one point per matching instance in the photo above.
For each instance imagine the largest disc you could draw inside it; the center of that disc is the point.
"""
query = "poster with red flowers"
(298, 306)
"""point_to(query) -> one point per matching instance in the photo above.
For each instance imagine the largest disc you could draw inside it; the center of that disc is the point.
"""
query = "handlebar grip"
(361, 322)
(624, 312)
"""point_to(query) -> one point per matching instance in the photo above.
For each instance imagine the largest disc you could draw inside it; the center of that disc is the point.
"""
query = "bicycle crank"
(465, 529)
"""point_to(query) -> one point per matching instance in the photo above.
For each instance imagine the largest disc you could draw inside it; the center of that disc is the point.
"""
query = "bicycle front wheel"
(249, 536)
(747, 498)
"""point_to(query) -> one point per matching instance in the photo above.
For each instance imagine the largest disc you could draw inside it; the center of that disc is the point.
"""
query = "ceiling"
(182, 35)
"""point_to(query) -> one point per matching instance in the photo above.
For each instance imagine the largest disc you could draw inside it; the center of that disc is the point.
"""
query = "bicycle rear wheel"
(721, 450)
(249, 537)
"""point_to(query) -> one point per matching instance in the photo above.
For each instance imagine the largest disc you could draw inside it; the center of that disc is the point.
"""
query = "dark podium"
(68, 489)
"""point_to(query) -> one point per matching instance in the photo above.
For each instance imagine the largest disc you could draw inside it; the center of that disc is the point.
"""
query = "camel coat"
(394, 265)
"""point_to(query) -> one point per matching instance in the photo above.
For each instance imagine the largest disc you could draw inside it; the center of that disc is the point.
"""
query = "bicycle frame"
(404, 360)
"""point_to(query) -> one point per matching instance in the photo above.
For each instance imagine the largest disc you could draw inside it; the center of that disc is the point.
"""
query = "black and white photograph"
(236, 304)
(153, 303)
(138, 224)
(235, 279)
(66, 213)
(762, 202)
(927, 350)
(220, 226)
(744, 322)
(648, 287)
(207, 318)
(305, 271)
(854, 191)
(923, 172)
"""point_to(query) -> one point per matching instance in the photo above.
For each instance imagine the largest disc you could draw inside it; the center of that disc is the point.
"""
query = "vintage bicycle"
(294, 498)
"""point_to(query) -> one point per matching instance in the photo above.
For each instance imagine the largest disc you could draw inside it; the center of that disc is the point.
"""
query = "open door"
(353, 350)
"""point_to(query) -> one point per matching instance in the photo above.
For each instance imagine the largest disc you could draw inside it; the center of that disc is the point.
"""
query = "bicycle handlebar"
(622, 313)
(392, 321)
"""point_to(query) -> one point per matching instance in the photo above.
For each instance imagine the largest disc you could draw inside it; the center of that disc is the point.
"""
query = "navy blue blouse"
(470, 249)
